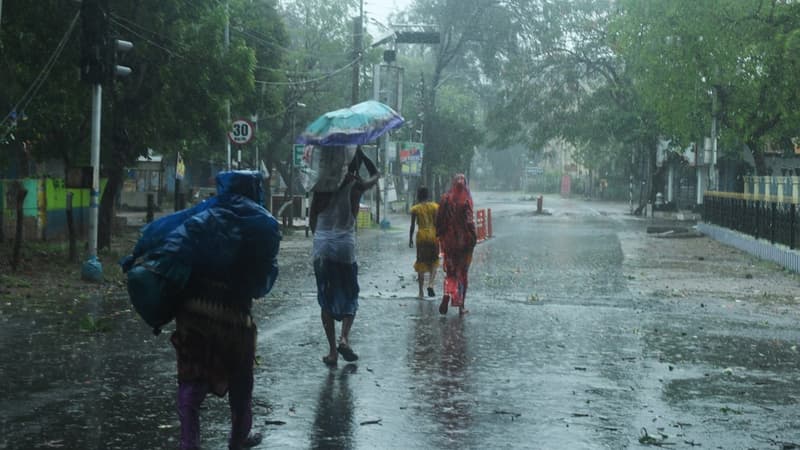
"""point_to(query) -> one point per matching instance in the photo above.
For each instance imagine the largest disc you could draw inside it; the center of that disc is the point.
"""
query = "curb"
(783, 256)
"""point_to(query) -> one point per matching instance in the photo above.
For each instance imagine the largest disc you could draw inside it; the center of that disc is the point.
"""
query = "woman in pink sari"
(455, 229)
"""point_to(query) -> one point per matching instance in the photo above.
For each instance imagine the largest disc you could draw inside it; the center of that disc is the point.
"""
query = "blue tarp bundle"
(229, 238)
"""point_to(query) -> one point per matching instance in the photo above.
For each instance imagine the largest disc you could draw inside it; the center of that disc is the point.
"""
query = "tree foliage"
(733, 60)
(559, 79)
(183, 73)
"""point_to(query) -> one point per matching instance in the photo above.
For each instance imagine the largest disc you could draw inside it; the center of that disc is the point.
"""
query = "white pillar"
(702, 183)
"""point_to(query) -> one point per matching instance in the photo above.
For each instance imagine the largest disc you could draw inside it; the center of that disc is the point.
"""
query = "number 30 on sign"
(242, 132)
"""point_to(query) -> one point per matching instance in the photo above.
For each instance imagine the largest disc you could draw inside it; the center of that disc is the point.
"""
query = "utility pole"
(98, 65)
(714, 178)
(358, 39)
(227, 100)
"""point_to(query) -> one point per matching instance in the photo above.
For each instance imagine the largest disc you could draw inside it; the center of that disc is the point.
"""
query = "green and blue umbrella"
(361, 123)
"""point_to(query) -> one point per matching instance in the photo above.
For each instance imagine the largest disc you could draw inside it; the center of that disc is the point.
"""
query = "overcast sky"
(380, 9)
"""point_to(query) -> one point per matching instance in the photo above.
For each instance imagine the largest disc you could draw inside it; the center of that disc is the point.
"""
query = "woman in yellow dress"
(424, 214)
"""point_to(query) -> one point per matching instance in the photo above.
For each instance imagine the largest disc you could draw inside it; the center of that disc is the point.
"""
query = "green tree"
(558, 79)
(318, 74)
(183, 75)
(175, 98)
(733, 60)
(42, 114)
(463, 27)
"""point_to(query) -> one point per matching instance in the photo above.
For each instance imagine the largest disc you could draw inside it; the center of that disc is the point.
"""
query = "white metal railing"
(784, 189)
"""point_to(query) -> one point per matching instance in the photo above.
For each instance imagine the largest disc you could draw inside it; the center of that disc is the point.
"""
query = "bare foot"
(419, 296)
(329, 360)
(462, 310)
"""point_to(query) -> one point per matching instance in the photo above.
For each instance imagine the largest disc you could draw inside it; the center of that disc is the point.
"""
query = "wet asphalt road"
(562, 349)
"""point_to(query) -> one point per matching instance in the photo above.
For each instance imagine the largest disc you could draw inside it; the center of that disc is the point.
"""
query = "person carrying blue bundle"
(204, 266)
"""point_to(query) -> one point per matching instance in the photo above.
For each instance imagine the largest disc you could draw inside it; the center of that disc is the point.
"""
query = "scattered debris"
(727, 410)
(274, 422)
(513, 415)
(782, 445)
(646, 439)
(372, 422)
(95, 325)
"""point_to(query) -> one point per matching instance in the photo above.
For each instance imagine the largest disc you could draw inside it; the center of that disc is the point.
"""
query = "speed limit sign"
(242, 132)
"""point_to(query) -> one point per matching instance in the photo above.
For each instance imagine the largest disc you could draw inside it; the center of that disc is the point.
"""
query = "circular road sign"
(242, 132)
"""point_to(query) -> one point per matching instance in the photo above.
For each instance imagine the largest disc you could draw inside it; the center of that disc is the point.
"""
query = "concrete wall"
(44, 208)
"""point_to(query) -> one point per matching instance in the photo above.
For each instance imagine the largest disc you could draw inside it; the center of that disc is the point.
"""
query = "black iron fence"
(763, 217)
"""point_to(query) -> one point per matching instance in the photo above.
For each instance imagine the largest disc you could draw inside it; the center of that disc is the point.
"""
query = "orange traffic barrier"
(480, 224)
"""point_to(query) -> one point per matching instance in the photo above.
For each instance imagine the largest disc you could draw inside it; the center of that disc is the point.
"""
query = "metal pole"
(386, 178)
(97, 95)
(376, 92)
(92, 270)
(227, 101)
(289, 191)
(227, 140)
(257, 165)
(714, 176)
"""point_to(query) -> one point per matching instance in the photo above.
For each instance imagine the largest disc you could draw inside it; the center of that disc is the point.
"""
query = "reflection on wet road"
(333, 419)
(563, 348)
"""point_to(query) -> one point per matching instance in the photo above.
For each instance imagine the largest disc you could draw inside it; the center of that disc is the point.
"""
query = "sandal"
(347, 353)
(443, 305)
(330, 362)
(431, 293)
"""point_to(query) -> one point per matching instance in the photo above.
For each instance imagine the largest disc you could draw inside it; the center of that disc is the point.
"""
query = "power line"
(255, 35)
(116, 18)
(30, 94)
(312, 80)
(146, 39)
(252, 34)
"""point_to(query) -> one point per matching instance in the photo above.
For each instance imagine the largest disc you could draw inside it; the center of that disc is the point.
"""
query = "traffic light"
(120, 46)
(94, 41)
(100, 54)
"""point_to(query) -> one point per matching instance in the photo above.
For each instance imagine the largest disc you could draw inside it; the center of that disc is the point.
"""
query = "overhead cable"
(30, 94)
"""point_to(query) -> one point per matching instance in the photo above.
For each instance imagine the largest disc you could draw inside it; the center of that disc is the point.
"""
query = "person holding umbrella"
(332, 219)
(337, 189)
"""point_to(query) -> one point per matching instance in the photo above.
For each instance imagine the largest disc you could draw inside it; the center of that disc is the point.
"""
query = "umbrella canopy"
(361, 123)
